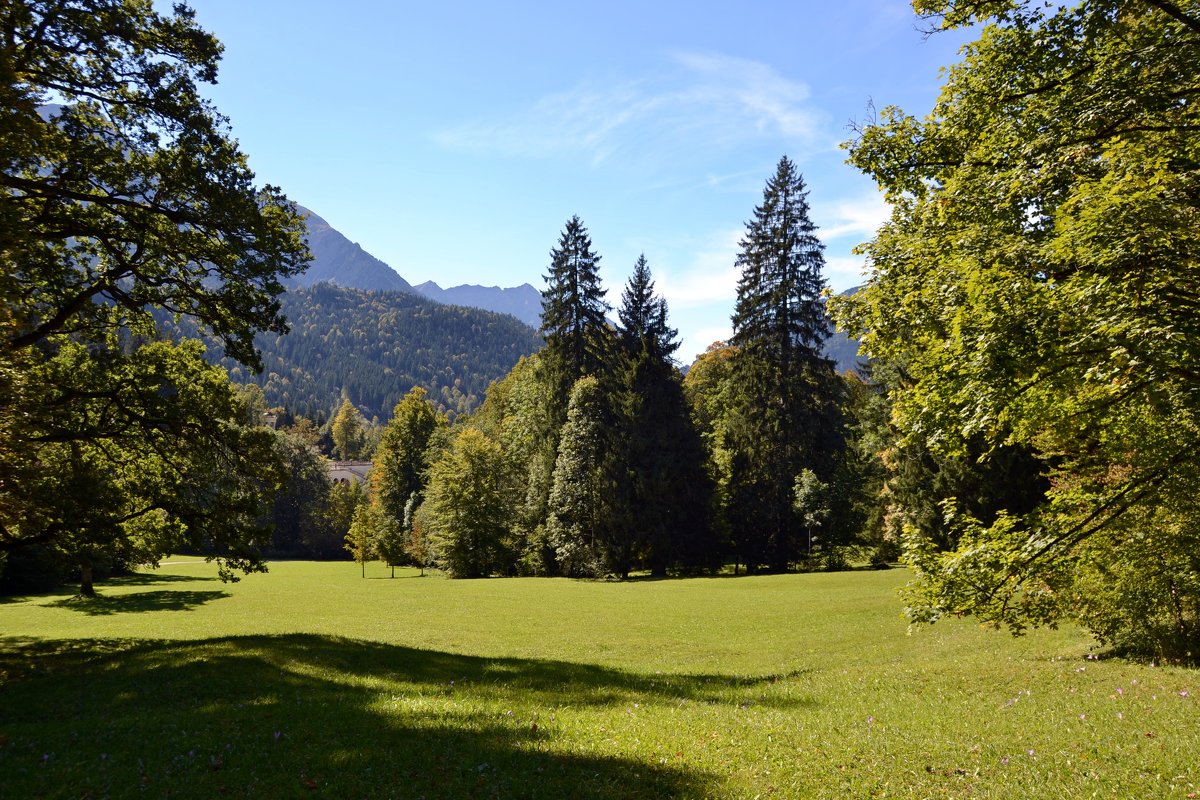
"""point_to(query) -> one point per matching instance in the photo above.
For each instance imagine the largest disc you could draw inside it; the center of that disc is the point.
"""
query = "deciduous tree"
(1039, 283)
(467, 519)
(129, 195)
(360, 538)
(349, 436)
(399, 469)
(156, 458)
(300, 507)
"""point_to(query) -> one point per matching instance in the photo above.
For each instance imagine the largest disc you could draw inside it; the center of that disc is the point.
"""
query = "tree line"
(372, 346)
(130, 203)
(597, 457)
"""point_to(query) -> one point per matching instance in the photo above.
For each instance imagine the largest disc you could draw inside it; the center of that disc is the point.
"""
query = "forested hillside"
(376, 346)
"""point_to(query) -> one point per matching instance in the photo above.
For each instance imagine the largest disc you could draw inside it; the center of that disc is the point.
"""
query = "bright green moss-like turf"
(311, 681)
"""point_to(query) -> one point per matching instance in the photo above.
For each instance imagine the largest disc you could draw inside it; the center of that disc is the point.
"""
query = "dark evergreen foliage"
(665, 487)
(643, 316)
(786, 411)
(573, 312)
(779, 319)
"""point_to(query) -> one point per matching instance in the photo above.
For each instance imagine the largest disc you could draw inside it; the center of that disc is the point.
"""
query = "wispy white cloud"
(706, 100)
(842, 273)
(750, 90)
(708, 274)
(858, 218)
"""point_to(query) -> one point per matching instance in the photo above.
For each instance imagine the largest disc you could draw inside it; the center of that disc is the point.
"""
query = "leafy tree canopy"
(349, 436)
(130, 193)
(123, 192)
(1038, 285)
(465, 507)
(400, 466)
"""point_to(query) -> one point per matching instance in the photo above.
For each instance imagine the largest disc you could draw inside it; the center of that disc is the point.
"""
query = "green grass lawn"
(311, 681)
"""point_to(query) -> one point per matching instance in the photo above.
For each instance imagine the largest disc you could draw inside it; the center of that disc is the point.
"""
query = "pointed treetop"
(643, 315)
(573, 307)
(779, 305)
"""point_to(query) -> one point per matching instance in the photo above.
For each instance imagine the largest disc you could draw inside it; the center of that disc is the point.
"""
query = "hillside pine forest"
(1025, 439)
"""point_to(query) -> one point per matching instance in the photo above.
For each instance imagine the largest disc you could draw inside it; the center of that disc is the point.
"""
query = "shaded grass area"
(163, 600)
(274, 716)
(312, 682)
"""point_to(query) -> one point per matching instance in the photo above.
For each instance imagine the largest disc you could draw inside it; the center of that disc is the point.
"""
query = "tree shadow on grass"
(68, 590)
(276, 716)
(156, 578)
(161, 600)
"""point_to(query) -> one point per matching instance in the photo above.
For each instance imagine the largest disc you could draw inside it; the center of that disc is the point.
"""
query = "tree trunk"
(86, 589)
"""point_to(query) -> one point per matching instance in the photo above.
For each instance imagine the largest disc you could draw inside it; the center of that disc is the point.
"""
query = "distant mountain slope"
(524, 302)
(841, 348)
(338, 260)
(378, 345)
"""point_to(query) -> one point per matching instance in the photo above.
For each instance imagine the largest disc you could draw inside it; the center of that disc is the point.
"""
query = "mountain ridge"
(523, 302)
(344, 263)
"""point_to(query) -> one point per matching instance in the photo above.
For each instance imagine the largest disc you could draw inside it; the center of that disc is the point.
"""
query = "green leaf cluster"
(1036, 290)
(123, 194)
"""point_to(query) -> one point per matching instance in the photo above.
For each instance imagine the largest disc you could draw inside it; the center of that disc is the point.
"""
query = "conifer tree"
(573, 312)
(578, 344)
(779, 313)
(787, 417)
(663, 485)
(643, 316)
(580, 517)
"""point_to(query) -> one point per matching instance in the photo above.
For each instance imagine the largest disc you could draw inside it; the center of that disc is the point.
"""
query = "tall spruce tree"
(665, 488)
(578, 344)
(573, 313)
(787, 418)
(643, 316)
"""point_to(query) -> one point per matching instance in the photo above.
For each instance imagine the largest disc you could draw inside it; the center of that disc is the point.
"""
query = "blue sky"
(453, 140)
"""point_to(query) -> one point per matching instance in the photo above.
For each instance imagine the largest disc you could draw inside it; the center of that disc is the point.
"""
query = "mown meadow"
(312, 681)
